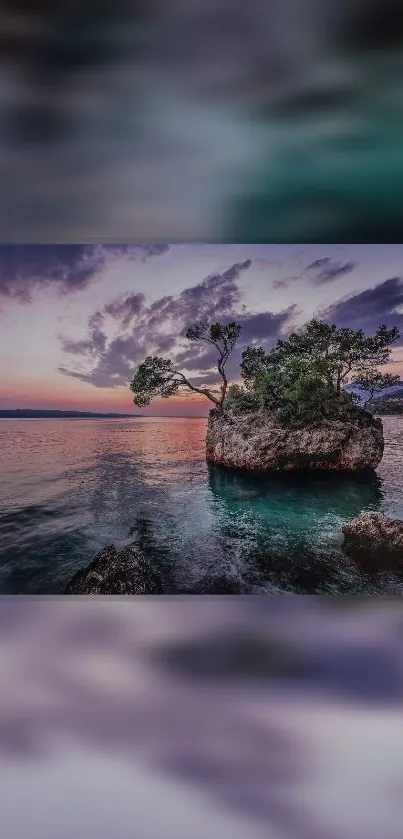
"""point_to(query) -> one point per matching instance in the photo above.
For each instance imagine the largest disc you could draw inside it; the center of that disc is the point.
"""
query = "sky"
(76, 320)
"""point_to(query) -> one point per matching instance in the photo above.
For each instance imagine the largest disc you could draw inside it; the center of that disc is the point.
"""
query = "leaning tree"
(157, 377)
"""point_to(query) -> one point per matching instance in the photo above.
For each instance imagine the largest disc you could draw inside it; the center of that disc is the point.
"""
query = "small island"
(291, 410)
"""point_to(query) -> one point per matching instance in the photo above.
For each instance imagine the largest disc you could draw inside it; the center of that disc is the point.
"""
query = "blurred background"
(181, 718)
(274, 121)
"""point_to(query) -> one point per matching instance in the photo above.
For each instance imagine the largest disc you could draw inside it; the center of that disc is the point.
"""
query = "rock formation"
(374, 537)
(254, 442)
(116, 572)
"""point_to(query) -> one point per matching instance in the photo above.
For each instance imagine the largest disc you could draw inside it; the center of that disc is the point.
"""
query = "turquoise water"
(68, 487)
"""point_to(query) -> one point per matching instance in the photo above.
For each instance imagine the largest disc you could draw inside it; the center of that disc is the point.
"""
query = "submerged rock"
(126, 571)
(254, 442)
(374, 537)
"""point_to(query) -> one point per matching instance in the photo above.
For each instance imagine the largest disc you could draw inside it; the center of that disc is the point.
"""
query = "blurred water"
(69, 487)
(139, 717)
(265, 122)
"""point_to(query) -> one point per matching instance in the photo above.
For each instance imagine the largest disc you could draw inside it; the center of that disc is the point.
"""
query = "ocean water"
(68, 487)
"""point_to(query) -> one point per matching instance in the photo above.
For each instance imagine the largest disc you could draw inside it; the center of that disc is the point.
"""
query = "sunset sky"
(76, 320)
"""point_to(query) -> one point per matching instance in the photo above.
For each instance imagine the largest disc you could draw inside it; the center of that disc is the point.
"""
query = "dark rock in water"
(256, 443)
(126, 571)
(374, 537)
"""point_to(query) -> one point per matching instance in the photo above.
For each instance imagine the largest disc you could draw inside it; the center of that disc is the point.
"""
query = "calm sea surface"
(68, 487)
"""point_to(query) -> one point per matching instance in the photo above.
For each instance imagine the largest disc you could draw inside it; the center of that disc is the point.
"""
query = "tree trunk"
(224, 386)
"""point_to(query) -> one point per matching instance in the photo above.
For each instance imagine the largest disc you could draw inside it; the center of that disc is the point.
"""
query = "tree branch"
(203, 391)
(223, 358)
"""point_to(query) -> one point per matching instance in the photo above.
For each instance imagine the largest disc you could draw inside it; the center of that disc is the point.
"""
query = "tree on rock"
(157, 377)
(337, 352)
(302, 379)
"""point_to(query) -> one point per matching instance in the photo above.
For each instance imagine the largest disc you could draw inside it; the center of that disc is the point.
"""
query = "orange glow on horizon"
(84, 397)
(72, 394)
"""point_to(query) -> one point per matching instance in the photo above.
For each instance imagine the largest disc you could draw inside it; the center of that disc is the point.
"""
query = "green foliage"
(239, 400)
(298, 392)
(154, 377)
(254, 363)
(337, 352)
(223, 336)
(302, 379)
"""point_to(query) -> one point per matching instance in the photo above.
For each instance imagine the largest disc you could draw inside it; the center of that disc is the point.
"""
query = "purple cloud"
(70, 268)
(326, 269)
(125, 308)
(318, 263)
(157, 328)
(368, 309)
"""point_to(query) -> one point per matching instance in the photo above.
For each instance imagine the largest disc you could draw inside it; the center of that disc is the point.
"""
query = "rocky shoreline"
(112, 571)
(374, 538)
(255, 443)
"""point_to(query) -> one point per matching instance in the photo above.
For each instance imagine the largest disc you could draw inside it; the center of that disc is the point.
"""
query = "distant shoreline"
(27, 413)
(32, 414)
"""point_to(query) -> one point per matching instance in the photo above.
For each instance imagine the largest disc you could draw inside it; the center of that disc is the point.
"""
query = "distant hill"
(397, 390)
(388, 402)
(29, 413)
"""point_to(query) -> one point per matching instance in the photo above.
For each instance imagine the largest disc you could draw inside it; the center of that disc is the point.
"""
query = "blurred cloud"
(190, 119)
(285, 717)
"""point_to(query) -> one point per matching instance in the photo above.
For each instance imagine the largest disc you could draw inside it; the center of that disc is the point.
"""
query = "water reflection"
(290, 527)
(207, 530)
(85, 484)
(344, 496)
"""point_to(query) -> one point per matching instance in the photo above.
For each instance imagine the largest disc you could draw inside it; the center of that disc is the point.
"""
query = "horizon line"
(103, 413)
